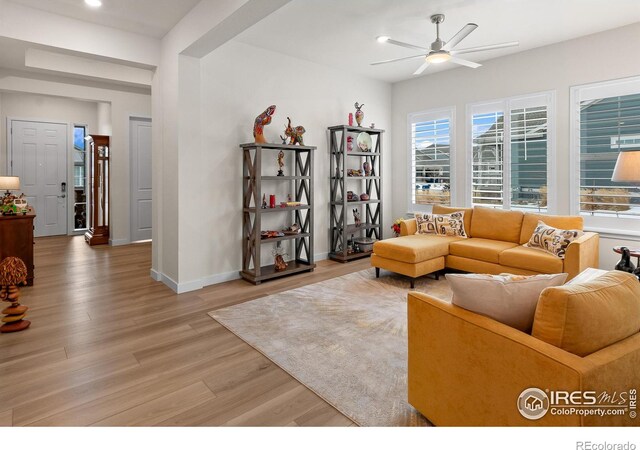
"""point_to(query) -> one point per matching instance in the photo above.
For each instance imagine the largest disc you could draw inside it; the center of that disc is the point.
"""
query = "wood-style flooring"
(110, 346)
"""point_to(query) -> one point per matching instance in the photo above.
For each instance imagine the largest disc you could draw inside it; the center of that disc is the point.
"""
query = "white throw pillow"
(509, 299)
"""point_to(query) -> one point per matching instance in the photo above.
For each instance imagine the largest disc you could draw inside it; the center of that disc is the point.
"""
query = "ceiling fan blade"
(421, 68)
(405, 45)
(387, 61)
(464, 62)
(485, 47)
(460, 35)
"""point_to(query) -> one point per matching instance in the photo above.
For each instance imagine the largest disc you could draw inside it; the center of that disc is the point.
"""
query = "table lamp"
(627, 167)
(9, 184)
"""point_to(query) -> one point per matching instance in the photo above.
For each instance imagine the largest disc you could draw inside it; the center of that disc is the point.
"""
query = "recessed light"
(93, 3)
(382, 39)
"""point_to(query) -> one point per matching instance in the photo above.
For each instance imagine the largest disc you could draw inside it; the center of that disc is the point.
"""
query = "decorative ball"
(364, 197)
(12, 272)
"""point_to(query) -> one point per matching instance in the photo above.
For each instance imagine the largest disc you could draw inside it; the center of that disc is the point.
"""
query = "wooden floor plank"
(109, 345)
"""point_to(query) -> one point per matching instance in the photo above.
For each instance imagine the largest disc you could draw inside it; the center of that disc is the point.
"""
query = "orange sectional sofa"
(495, 245)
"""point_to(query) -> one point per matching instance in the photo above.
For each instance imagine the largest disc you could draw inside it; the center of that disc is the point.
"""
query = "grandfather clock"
(97, 171)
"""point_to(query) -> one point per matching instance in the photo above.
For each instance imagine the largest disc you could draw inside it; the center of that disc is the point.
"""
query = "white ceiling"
(147, 17)
(341, 33)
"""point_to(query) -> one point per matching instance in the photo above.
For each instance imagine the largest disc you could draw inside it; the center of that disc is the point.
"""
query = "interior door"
(141, 216)
(39, 158)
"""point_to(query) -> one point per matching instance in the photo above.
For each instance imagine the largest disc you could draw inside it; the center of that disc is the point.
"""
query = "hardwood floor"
(110, 346)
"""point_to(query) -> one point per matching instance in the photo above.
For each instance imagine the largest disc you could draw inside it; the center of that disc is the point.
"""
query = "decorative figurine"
(359, 113)
(281, 163)
(351, 196)
(13, 272)
(367, 169)
(283, 139)
(294, 133)
(264, 201)
(260, 122)
(279, 254)
(356, 217)
(349, 143)
(7, 205)
(625, 263)
(21, 205)
(373, 126)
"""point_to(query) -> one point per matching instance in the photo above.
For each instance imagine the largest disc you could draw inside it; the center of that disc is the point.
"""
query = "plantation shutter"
(488, 159)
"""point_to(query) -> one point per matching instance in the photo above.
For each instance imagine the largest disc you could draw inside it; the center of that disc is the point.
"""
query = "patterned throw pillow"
(441, 224)
(552, 240)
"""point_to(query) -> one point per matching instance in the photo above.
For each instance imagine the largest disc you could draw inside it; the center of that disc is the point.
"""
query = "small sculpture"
(279, 262)
(294, 133)
(359, 113)
(21, 205)
(281, 163)
(13, 272)
(349, 143)
(260, 122)
(356, 217)
(283, 139)
(7, 205)
(264, 201)
(367, 168)
(625, 263)
(351, 196)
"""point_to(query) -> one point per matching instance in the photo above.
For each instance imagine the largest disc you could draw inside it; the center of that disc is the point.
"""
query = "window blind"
(488, 159)
(431, 162)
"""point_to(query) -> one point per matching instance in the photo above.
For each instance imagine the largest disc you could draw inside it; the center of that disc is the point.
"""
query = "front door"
(39, 158)
(141, 214)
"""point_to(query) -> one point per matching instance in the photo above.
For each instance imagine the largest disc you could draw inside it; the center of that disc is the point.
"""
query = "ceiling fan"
(441, 51)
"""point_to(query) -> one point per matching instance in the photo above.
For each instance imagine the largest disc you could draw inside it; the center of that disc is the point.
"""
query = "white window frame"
(423, 116)
(506, 105)
(610, 226)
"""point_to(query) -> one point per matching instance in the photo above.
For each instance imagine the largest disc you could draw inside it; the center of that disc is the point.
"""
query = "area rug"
(345, 339)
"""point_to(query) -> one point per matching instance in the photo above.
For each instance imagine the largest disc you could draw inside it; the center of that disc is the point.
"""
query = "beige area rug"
(345, 339)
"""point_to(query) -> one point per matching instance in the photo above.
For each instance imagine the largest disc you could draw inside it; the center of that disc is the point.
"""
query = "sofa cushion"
(583, 318)
(468, 214)
(482, 249)
(415, 248)
(532, 259)
(553, 240)
(509, 299)
(441, 224)
(497, 224)
(530, 222)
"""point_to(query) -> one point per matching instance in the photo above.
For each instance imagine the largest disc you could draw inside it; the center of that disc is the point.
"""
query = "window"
(606, 121)
(510, 147)
(431, 137)
(79, 179)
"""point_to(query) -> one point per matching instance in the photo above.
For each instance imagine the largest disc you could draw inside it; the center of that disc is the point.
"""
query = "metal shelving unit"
(341, 209)
(252, 179)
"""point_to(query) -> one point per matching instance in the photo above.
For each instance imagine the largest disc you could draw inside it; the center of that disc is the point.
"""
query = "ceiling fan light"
(93, 3)
(382, 39)
(438, 57)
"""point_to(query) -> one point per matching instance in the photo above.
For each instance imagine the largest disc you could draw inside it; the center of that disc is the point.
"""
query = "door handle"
(62, 196)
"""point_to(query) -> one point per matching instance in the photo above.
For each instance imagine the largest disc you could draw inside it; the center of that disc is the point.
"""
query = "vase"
(359, 117)
(625, 264)
(367, 168)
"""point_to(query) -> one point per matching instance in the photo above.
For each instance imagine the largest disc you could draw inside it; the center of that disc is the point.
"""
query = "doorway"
(39, 158)
(140, 145)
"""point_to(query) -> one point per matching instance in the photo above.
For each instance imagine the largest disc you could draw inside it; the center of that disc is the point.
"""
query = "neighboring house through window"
(605, 120)
(431, 152)
(511, 146)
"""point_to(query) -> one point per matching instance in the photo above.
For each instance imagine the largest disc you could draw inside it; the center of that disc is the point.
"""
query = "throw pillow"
(441, 224)
(552, 240)
(509, 299)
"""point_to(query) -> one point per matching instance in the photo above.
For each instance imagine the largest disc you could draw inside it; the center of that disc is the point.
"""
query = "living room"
(108, 321)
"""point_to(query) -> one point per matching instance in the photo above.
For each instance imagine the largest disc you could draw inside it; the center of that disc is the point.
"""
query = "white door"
(39, 158)
(140, 179)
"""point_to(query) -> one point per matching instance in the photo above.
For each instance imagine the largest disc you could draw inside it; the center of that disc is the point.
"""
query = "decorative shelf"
(340, 209)
(302, 180)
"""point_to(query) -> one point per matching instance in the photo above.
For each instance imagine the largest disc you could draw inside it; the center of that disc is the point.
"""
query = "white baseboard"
(118, 242)
(194, 285)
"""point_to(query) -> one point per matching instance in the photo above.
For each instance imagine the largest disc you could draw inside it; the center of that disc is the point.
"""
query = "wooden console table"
(16, 239)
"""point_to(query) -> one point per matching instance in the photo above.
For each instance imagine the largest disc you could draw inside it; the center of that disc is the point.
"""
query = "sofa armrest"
(408, 227)
(581, 254)
(469, 370)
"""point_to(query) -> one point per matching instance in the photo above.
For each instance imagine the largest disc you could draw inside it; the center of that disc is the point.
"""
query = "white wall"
(556, 67)
(238, 82)
(123, 105)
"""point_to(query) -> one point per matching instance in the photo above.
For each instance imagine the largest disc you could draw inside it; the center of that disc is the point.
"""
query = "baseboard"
(118, 242)
(194, 285)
